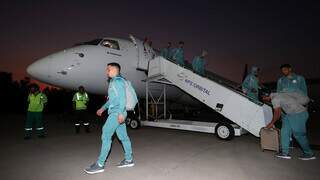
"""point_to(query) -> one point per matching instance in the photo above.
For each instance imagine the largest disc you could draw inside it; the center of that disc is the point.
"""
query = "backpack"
(131, 96)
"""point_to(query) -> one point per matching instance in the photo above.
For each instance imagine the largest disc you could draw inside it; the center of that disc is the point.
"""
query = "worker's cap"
(285, 66)
(35, 87)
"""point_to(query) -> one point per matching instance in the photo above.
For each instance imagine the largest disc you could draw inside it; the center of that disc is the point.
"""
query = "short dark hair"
(114, 64)
(181, 42)
(285, 66)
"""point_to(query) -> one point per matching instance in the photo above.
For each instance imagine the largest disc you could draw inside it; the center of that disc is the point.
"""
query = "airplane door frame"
(142, 56)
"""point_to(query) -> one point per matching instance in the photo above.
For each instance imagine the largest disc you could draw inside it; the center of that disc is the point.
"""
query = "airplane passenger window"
(111, 44)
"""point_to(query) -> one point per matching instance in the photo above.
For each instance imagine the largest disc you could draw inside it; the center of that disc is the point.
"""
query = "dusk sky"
(235, 33)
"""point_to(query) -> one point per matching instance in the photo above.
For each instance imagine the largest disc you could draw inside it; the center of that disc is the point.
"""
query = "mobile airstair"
(218, 93)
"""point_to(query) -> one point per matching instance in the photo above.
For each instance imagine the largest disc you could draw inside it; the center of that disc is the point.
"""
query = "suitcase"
(270, 139)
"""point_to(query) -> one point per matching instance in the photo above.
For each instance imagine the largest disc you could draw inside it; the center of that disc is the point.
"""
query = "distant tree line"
(13, 95)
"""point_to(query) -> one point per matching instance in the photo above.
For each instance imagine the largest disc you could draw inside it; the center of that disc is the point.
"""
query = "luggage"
(270, 139)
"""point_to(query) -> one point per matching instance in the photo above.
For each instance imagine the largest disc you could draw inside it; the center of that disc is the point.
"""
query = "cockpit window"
(110, 44)
(92, 42)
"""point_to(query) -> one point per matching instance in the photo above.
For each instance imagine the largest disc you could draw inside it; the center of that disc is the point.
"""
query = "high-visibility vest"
(81, 100)
(36, 102)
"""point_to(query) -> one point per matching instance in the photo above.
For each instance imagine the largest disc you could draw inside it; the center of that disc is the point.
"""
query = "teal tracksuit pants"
(295, 124)
(110, 127)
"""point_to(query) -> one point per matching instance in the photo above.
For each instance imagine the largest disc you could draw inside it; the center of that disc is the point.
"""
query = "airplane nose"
(39, 69)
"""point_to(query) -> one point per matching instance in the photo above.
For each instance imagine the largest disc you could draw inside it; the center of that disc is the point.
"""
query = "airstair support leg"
(164, 101)
(155, 101)
(147, 100)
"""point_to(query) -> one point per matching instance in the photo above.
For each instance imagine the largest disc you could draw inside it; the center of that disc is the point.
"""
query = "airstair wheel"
(224, 131)
(134, 124)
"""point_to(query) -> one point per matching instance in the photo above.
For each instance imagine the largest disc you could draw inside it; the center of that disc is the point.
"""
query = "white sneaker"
(305, 157)
(125, 163)
(283, 156)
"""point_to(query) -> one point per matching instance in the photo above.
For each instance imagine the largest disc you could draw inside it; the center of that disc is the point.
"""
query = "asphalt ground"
(158, 154)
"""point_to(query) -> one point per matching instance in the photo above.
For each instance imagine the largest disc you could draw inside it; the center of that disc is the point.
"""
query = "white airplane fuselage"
(85, 65)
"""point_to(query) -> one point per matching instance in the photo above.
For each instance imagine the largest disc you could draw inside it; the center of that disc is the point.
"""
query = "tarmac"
(158, 154)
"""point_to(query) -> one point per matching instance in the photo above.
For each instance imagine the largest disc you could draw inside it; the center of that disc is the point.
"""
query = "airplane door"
(144, 55)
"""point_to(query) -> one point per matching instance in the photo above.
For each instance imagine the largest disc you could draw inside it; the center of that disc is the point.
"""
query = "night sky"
(262, 33)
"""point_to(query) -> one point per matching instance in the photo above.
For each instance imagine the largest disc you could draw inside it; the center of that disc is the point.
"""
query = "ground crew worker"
(80, 101)
(294, 121)
(37, 102)
(250, 85)
(291, 82)
(198, 63)
(167, 52)
(116, 106)
(178, 55)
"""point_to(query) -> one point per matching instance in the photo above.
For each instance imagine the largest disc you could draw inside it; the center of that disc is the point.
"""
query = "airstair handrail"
(218, 79)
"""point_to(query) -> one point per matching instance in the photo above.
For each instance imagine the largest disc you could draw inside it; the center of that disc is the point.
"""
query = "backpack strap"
(114, 89)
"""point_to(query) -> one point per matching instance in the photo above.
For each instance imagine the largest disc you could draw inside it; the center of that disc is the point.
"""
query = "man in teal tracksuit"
(198, 63)
(250, 85)
(116, 106)
(167, 52)
(178, 55)
(290, 106)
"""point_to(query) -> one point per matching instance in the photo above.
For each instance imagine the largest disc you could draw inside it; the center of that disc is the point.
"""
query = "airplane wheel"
(224, 131)
(134, 124)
